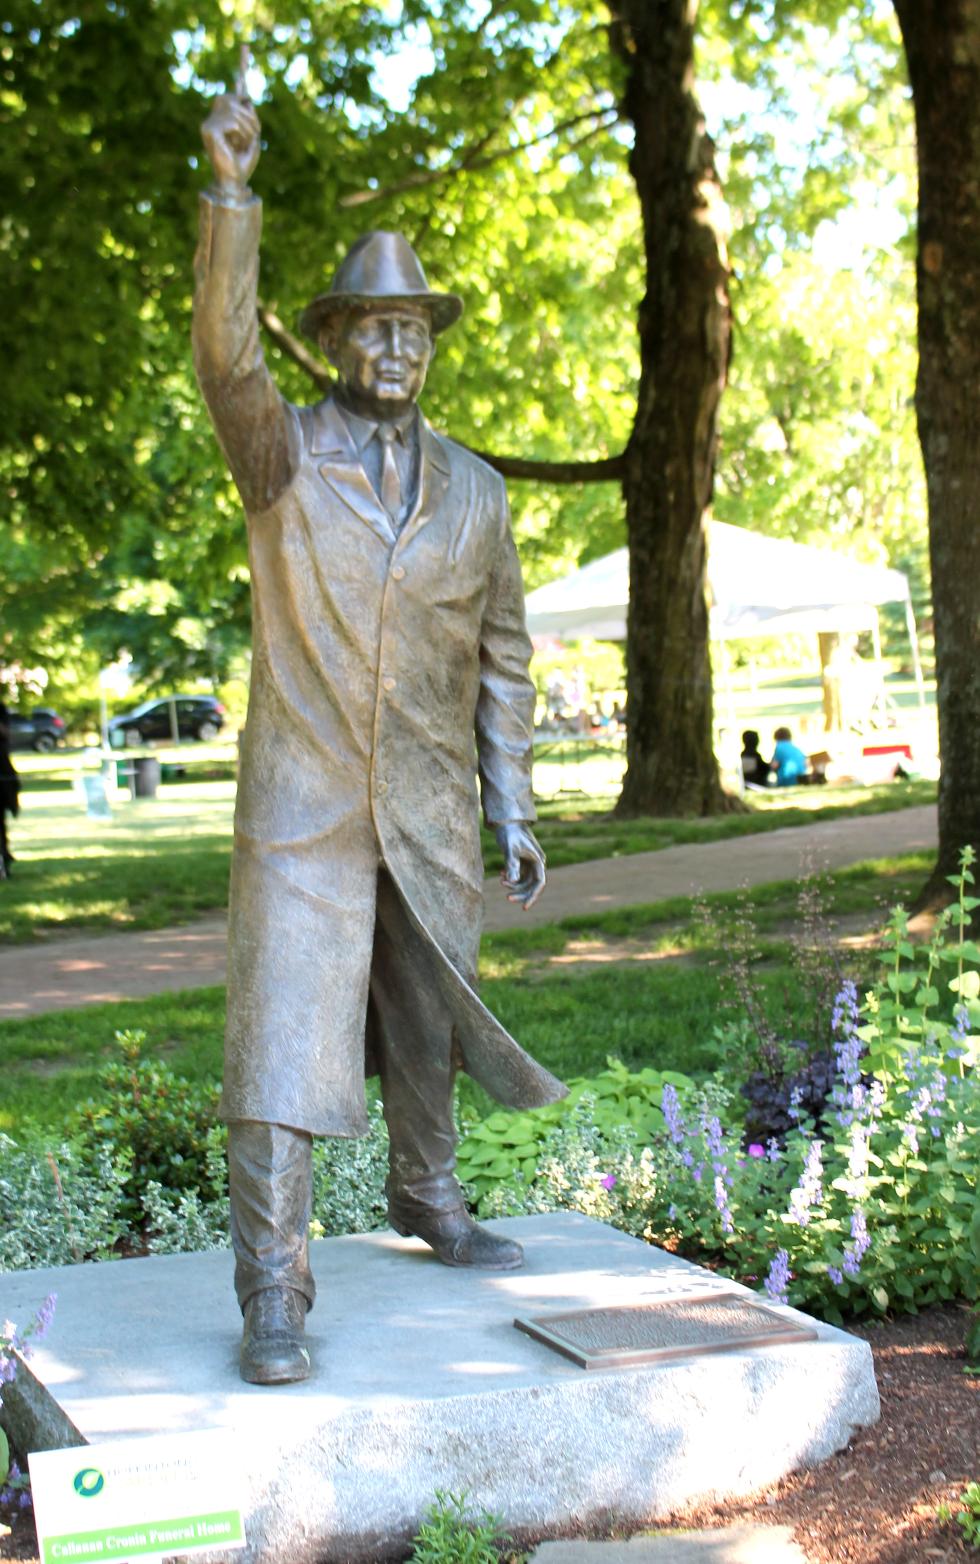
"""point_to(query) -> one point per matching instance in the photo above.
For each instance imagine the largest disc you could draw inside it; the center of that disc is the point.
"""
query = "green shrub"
(507, 1144)
(574, 1172)
(449, 1536)
(164, 1125)
(187, 1222)
(59, 1206)
(349, 1181)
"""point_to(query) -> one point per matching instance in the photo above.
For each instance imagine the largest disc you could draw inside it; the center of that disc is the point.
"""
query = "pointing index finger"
(244, 60)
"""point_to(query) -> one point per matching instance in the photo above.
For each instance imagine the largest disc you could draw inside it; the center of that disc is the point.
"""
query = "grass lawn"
(165, 860)
(156, 862)
(642, 983)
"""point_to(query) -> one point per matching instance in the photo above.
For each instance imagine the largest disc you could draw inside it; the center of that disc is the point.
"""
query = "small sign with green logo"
(139, 1499)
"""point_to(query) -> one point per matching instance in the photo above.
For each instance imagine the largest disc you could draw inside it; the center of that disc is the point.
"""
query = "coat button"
(389, 683)
(381, 785)
(398, 573)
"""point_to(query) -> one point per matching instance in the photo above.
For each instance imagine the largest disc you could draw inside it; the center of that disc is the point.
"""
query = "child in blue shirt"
(788, 759)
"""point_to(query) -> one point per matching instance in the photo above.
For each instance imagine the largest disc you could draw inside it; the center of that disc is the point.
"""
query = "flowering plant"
(870, 1208)
(14, 1484)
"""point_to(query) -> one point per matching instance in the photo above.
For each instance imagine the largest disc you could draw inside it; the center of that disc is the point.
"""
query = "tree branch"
(606, 469)
(294, 349)
(472, 160)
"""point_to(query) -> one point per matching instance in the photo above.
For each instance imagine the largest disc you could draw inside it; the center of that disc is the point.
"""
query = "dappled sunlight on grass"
(586, 953)
(52, 913)
(816, 800)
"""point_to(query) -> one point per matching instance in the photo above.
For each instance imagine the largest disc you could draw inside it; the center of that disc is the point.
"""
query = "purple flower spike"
(45, 1315)
(777, 1282)
(670, 1103)
(854, 1252)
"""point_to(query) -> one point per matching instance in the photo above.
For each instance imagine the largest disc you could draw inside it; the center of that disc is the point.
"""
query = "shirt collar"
(363, 430)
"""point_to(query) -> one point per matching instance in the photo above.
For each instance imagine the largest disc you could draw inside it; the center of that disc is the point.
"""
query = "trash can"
(146, 776)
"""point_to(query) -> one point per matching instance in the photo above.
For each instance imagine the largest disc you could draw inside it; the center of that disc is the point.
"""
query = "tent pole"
(730, 717)
(879, 665)
(916, 658)
(876, 644)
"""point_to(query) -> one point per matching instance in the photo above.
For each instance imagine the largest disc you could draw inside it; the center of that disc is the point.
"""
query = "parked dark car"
(41, 729)
(196, 717)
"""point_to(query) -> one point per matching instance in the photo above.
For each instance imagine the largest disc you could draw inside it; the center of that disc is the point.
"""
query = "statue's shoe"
(273, 1352)
(458, 1240)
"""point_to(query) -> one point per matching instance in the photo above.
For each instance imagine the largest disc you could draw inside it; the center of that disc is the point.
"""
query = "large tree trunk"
(685, 329)
(942, 46)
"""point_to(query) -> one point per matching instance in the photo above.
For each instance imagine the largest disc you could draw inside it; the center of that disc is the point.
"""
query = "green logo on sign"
(88, 1482)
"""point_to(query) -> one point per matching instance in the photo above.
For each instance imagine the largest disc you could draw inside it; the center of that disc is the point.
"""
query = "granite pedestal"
(421, 1382)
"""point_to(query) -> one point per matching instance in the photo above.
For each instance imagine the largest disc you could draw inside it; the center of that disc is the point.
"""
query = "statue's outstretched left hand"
(523, 873)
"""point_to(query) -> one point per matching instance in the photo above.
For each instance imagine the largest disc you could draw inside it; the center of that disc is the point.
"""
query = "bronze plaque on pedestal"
(624, 1336)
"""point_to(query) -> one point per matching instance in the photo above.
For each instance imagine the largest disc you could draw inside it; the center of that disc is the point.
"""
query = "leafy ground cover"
(641, 983)
(164, 861)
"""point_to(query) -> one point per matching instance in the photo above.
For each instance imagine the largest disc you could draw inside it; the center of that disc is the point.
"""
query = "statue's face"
(381, 357)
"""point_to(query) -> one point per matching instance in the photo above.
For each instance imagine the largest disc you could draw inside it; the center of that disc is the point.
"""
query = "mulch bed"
(876, 1502)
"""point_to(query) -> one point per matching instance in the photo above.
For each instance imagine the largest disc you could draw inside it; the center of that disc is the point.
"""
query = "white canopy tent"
(756, 586)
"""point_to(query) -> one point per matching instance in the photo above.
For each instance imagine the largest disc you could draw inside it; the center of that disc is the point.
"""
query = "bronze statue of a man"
(389, 667)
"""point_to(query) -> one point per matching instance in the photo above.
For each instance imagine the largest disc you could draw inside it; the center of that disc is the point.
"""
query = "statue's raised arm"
(256, 428)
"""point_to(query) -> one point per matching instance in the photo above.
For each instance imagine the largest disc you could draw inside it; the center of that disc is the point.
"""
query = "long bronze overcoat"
(386, 673)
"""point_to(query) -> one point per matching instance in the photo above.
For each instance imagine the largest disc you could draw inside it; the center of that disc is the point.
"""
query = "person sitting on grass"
(788, 760)
(755, 770)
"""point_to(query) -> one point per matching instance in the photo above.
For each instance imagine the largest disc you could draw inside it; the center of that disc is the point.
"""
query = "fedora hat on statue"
(381, 268)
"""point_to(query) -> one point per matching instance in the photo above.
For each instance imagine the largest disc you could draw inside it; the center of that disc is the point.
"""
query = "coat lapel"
(340, 466)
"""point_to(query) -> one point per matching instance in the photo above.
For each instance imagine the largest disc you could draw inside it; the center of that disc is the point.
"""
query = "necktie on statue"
(391, 484)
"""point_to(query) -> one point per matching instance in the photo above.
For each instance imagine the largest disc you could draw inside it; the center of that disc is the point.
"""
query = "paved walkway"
(63, 973)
